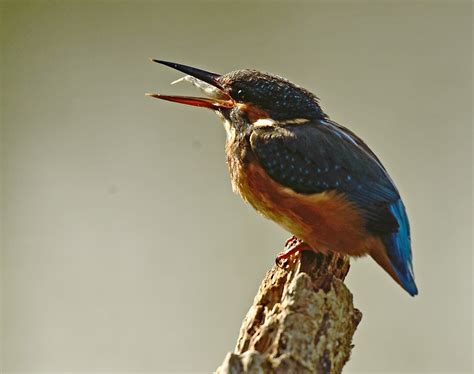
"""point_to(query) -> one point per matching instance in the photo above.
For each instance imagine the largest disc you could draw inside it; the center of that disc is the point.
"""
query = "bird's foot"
(291, 241)
(293, 245)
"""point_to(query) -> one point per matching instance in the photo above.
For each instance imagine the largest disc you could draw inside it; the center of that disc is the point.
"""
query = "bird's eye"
(238, 93)
(241, 94)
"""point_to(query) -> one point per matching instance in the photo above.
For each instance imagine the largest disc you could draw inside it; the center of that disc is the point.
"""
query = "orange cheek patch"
(253, 113)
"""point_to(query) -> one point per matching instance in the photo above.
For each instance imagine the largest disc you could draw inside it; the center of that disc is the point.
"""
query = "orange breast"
(326, 221)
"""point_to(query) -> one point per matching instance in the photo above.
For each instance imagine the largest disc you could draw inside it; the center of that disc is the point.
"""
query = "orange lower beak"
(196, 101)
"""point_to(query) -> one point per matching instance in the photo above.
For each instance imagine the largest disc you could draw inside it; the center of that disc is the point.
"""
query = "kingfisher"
(297, 167)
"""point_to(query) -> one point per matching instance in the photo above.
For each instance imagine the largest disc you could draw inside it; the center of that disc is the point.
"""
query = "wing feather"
(321, 155)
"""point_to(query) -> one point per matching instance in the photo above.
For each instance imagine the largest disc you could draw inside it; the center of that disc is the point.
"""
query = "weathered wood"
(302, 320)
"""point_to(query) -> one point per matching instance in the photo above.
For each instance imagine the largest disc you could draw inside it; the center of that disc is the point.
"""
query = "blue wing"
(322, 155)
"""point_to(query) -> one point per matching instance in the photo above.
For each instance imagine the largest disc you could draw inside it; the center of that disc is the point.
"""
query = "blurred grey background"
(123, 245)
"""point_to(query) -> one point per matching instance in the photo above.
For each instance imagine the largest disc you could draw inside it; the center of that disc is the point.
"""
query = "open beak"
(202, 78)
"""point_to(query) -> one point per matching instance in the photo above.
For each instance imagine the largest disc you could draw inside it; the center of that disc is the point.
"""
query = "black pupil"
(241, 93)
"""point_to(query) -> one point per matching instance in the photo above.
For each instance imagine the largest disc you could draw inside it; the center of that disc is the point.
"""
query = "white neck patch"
(268, 122)
(265, 122)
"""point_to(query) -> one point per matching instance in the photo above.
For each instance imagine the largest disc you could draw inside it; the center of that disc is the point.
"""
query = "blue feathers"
(322, 155)
(399, 249)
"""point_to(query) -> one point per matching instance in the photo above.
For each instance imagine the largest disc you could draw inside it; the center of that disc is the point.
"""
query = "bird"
(297, 167)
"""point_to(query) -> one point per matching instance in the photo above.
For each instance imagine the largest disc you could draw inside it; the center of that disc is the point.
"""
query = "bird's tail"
(398, 249)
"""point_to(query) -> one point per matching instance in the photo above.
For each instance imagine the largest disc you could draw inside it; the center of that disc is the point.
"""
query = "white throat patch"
(230, 131)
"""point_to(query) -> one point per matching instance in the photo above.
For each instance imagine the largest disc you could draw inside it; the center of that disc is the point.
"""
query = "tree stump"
(302, 319)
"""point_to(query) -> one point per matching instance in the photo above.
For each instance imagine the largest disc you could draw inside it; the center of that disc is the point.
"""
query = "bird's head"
(243, 98)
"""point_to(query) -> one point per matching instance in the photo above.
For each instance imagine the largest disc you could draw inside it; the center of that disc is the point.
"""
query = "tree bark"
(302, 320)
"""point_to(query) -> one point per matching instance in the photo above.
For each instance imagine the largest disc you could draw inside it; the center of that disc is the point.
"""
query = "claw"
(291, 241)
(296, 246)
